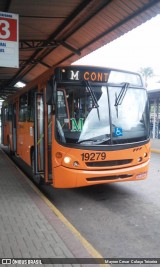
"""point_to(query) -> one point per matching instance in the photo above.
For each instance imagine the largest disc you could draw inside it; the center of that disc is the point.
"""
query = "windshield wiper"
(94, 141)
(88, 86)
(121, 95)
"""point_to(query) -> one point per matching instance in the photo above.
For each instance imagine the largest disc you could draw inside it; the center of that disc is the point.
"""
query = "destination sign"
(97, 75)
(81, 74)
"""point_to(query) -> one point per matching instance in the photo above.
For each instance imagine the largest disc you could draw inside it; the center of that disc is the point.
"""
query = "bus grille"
(108, 163)
(107, 178)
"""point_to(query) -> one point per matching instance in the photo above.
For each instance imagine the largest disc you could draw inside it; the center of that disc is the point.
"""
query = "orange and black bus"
(80, 126)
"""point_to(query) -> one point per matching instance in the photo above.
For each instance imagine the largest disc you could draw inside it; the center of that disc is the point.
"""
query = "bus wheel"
(36, 177)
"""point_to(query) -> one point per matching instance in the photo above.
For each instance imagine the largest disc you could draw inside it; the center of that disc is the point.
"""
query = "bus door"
(2, 125)
(5, 126)
(39, 143)
(14, 125)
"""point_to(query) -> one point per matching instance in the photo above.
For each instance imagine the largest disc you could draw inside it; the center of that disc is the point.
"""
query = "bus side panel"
(10, 136)
(7, 124)
(6, 132)
(25, 140)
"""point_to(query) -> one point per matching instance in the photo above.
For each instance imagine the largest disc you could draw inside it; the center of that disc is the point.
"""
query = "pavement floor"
(32, 227)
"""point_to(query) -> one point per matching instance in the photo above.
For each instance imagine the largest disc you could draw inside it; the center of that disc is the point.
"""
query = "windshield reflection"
(79, 122)
(95, 125)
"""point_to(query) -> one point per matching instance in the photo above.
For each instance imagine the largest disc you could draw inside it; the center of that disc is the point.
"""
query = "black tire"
(35, 177)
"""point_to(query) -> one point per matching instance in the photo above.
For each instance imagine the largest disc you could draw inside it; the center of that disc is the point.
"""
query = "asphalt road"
(120, 219)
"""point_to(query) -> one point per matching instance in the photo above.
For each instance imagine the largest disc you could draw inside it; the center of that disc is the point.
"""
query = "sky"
(139, 48)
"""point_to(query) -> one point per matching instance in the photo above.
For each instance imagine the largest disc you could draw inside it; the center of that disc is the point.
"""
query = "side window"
(10, 112)
(62, 112)
(6, 114)
(23, 103)
(30, 116)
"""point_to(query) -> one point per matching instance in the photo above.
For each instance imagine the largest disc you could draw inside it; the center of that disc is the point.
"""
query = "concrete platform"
(31, 227)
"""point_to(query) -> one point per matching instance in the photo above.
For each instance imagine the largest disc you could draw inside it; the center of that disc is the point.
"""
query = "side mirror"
(50, 92)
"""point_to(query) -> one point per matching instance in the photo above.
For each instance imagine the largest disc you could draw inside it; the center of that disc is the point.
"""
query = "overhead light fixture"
(20, 84)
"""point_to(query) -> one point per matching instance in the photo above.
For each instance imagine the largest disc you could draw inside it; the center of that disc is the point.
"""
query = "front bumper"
(69, 178)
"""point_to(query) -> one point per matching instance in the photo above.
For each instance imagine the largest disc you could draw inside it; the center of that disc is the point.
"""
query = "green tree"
(146, 72)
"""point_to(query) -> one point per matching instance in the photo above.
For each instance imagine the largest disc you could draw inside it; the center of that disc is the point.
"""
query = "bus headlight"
(67, 160)
(76, 164)
(139, 159)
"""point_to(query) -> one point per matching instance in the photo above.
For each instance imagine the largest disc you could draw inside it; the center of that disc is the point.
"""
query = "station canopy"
(60, 32)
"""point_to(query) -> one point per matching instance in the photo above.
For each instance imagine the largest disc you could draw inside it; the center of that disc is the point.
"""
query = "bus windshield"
(101, 115)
